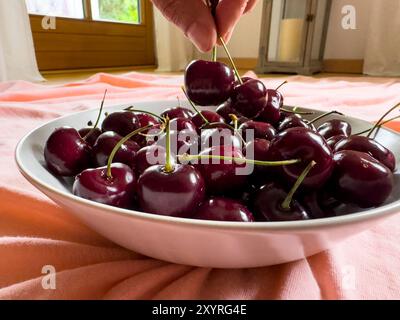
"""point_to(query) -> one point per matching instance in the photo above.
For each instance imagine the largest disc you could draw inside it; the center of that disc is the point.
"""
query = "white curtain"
(17, 54)
(382, 57)
(173, 50)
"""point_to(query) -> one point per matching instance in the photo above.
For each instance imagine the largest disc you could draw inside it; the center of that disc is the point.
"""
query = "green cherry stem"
(235, 127)
(380, 125)
(382, 118)
(288, 200)
(294, 111)
(168, 168)
(118, 146)
(325, 115)
(231, 60)
(98, 117)
(194, 107)
(214, 54)
(188, 158)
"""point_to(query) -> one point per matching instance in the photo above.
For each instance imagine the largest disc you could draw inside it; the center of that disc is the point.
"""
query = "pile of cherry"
(300, 171)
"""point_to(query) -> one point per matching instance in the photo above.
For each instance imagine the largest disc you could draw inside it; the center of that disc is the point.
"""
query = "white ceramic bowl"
(194, 242)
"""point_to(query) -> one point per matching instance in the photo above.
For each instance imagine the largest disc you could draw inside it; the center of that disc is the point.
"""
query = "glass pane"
(319, 29)
(125, 11)
(56, 8)
(286, 34)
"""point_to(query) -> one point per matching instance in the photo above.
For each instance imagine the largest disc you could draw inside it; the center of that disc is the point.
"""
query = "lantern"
(293, 36)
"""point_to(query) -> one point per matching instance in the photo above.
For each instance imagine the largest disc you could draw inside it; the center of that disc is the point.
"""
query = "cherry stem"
(118, 146)
(214, 54)
(325, 115)
(194, 107)
(168, 168)
(380, 125)
(236, 127)
(288, 200)
(98, 117)
(132, 109)
(382, 118)
(281, 85)
(231, 60)
(294, 111)
(186, 157)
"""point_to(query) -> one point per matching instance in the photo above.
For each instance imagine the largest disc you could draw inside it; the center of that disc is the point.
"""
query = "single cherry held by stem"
(171, 189)
(66, 153)
(224, 209)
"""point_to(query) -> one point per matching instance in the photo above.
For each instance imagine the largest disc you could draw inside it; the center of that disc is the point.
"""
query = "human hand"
(194, 18)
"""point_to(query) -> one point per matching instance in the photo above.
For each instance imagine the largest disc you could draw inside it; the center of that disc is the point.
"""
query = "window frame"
(87, 43)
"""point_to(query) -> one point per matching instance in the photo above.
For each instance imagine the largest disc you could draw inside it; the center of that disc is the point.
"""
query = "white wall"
(341, 44)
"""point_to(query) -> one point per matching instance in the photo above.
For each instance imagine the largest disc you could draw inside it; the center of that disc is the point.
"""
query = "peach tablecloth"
(34, 232)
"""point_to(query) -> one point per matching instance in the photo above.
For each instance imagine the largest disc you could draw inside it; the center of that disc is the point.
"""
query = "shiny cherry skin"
(183, 141)
(226, 109)
(211, 116)
(258, 149)
(370, 146)
(224, 209)
(148, 157)
(307, 145)
(177, 112)
(262, 130)
(176, 194)
(94, 134)
(361, 179)
(250, 98)
(267, 205)
(179, 124)
(293, 121)
(333, 128)
(144, 121)
(104, 146)
(332, 141)
(320, 204)
(121, 122)
(208, 83)
(272, 111)
(118, 191)
(66, 153)
(218, 137)
(221, 176)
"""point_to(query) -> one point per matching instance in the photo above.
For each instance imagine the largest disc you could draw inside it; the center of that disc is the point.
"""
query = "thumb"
(194, 18)
(229, 13)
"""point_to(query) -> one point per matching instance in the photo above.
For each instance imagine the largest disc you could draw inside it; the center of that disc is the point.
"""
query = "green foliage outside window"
(120, 10)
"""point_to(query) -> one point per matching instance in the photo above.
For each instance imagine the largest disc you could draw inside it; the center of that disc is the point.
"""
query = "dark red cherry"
(221, 177)
(208, 83)
(261, 130)
(307, 145)
(258, 149)
(272, 111)
(361, 179)
(66, 153)
(250, 98)
(320, 204)
(95, 185)
(293, 121)
(370, 146)
(333, 128)
(149, 156)
(267, 205)
(179, 124)
(211, 116)
(144, 121)
(177, 193)
(223, 209)
(225, 110)
(219, 137)
(106, 143)
(182, 142)
(92, 137)
(177, 112)
(121, 122)
(334, 140)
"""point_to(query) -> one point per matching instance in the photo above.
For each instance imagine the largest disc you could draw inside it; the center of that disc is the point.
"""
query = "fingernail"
(202, 36)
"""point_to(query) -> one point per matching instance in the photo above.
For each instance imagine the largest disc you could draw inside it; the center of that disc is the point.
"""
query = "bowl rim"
(303, 225)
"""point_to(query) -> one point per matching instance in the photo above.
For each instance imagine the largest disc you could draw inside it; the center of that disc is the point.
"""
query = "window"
(92, 33)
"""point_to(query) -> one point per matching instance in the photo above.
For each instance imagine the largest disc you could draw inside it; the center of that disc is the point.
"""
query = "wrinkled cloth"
(35, 232)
